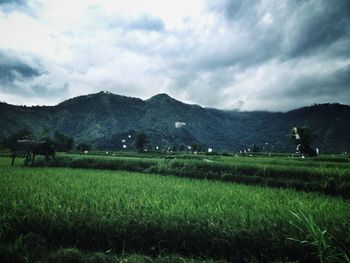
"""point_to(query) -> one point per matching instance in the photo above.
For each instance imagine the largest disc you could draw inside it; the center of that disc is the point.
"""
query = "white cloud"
(250, 54)
(21, 32)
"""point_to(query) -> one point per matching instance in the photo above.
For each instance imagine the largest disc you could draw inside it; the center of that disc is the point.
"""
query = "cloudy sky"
(228, 54)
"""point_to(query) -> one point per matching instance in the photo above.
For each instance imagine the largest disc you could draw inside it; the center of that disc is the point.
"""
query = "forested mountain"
(105, 119)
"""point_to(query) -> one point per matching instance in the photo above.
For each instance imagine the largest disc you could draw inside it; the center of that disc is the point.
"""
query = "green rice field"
(327, 175)
(179, 208)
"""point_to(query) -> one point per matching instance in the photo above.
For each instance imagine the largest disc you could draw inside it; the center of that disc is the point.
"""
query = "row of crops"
(328, 176)
(152, 209)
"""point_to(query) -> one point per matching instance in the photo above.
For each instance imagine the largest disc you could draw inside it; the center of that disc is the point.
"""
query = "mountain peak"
(102, 96)
(161, 96)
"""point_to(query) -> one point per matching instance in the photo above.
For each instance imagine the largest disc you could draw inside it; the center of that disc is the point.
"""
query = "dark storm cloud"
(314, 25)
(235, 10)
(9, 73)
(299, 28)
(247, 42)
(286, 41)
(12, 69)
(254, 54)
(12, 2)
(50, 91)
(330, 84)
(8, 6)
(18, 77)
(141, 23)
(146, 23)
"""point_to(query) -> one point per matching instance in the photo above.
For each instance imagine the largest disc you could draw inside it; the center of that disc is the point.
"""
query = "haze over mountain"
(105, 119)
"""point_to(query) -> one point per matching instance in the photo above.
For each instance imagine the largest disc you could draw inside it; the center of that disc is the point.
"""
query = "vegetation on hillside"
(104, 119)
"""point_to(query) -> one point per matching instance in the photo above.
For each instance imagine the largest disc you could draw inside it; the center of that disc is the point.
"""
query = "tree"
(44, 134)
(254, 148)
(182, 148)
(302, 137)
(141, 140)
(63, 143)
(196, 147)
(83, 147)
(10, 141)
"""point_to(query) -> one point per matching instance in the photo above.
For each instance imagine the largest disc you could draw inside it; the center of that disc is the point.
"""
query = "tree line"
(60, 141)
(302, 137)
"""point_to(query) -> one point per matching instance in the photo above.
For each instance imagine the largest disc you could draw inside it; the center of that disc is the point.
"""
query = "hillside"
(105, 119)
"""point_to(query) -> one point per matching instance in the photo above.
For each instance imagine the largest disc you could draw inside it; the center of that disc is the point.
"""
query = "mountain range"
(109, 121)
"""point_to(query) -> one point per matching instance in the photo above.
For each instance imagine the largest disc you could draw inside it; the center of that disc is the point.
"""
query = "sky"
(228, 54)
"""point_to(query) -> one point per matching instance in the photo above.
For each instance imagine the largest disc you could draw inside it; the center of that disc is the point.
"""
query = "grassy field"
(327, 175)
(53, 214)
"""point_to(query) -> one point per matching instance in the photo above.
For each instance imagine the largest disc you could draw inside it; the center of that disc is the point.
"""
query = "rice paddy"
(126, 209)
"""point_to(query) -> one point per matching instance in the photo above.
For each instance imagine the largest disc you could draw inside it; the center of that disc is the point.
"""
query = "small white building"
(179, 124)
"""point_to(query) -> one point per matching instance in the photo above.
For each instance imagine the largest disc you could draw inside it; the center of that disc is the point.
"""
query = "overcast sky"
(229, 54)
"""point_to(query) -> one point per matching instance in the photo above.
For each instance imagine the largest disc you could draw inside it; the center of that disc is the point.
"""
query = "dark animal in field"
(31, 148)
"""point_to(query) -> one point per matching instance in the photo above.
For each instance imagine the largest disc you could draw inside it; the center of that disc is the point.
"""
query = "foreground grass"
(28, 248)
(127, 212)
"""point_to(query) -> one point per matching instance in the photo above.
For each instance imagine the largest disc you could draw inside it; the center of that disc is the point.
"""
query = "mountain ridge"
(165, 95)
(102, 118)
